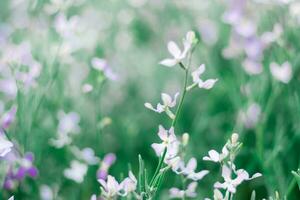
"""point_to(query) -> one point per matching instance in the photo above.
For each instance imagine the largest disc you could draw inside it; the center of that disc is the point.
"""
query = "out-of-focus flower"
(8, 117)
(189, 192)
(11, 198)
(294, 10)
(207, 84)
(282, 73)
(231, 184)
(87, 155)
(68, 122)
(169, 143)
(61, 140)
(251, 116)
(252, 67)
(102, 65)
(9, 87)
(110, 188)
(5, 146)
(176, 52)
(46, 193)
(214, 156)
(76, 172)
(272, 36)
(86, 88)
(107, 162)
(209, 32)
(129, 184)
(19, 169)
(167, 103)
(189, 170)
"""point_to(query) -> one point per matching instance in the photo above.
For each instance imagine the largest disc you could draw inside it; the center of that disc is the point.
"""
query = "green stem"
(160, 164)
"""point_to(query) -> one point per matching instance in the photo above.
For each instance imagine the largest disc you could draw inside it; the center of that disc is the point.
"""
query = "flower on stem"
(129, 184)
(215, 156)
(167, 103)
(176, 52)
(102, 66)
(207, 84)
(189, 192)
(87, 155)
(230, 183)
(8, 117)
(107, 162)
(76, 172)
(282, 73)
(189, 170)
(169, 142)
(110, 188)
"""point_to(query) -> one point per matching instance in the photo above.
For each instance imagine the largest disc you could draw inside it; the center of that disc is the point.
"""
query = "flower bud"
(234, 138)
(185, 139)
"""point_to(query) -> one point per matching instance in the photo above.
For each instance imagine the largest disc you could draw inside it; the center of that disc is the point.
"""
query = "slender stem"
(160, 164)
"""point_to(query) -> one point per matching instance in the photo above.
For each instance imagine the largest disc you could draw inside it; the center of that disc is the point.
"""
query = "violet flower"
(107, 162)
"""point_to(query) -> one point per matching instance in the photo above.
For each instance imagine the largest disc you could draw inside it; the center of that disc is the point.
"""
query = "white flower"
(87, 155)
(214, 156)
(207, 84)
(86, 88)
(282, 73)
(167, 102)
(5, 146)
(251, 116)
(252, 67)
(102, 65)
(175, 51)
(76, 172)
(11, 198)
(62, 140)
(68, 122)
(230, 183)
(46, 193)
(169, 142)
(129, 184)
(189, 192)
(110, 188)
(189, 170)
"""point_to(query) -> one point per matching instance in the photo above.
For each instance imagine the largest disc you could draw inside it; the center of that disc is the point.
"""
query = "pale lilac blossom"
(282, 73)
(215, 156)
(102, 65)
(86, 154)
(197, 81)
(178, 54)
(251, 116)
(5, 146)
(76, 172)
(8, 117)
(189, 170)
(129, 184)
(230, 183)
(167, 103)
(189, 192)
(110, 188)
(108, 160)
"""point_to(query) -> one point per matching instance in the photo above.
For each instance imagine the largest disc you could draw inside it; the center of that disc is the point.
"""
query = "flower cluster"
(232, 176)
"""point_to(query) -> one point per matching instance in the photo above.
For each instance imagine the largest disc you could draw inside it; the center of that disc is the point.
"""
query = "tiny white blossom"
(176, 52)
(214, 156)
(169, 142)
(189, 192)
(87, 155)
(189, 170)
(167, 103)
(230, 183)
(76, 172)
(110, 188)
(282, 73)
(207, 84)
(129, 184)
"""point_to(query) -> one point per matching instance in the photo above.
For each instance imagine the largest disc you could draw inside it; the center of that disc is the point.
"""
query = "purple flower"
(107, 162)
(8, 117)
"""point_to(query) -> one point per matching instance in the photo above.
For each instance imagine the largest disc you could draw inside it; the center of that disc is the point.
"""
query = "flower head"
(282, 73)
(215, 156)
(129, 184)
(230, 183)
(76, 172)
(102, 65)
(167, 103)
(207, 84)
(189, 192)
(176, 52)
(189, 170)
(107, 162)
(110, 188)
(5, 146)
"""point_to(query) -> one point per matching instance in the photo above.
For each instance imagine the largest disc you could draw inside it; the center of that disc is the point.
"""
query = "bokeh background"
(64, 36)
